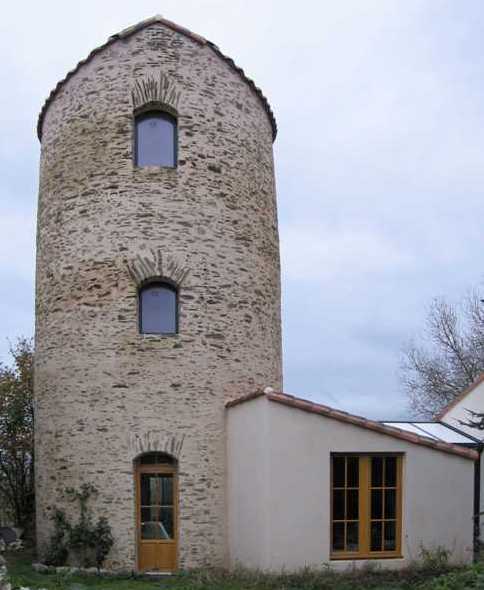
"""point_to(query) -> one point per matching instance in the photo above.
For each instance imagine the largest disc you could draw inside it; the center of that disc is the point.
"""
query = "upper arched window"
(155, 139)
(158, 313)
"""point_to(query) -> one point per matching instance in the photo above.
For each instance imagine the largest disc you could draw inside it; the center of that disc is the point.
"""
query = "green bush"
(435, 559)
(89, 543)
(57, 551)
(467, 579)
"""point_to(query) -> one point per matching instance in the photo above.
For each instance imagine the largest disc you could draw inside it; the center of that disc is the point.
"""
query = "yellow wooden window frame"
(364, 508)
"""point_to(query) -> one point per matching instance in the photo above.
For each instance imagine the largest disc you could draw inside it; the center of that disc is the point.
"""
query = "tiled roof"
(459, 398)
(174, 27)
(308, 406)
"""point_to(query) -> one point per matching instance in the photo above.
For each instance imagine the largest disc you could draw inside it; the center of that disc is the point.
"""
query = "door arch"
(156, 479)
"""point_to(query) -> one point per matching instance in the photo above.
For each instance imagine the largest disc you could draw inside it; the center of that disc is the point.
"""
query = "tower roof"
(174, 27)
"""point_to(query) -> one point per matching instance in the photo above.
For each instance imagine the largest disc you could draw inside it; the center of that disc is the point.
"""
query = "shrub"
(89, 543)
(57, 551)
(434, 559)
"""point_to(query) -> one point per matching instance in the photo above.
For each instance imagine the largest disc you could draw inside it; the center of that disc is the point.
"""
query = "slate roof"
(174, 27)
(322, 410)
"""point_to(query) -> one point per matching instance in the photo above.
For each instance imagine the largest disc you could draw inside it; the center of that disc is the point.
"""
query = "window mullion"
(364, 506)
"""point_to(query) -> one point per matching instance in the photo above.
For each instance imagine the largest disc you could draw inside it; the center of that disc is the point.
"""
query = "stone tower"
(106, 392)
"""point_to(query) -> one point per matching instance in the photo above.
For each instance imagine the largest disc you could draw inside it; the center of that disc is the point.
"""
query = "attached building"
(309, 485)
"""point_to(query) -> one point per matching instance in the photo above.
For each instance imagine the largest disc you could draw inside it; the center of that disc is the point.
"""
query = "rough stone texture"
(105, 393)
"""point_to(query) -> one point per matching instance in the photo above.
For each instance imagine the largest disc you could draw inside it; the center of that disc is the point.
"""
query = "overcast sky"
(379, 164)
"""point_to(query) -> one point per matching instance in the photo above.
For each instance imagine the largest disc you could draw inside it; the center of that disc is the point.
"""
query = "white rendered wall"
(473, 401)
(279, 489)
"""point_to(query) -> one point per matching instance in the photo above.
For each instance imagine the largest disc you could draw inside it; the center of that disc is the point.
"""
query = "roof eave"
(359, 421)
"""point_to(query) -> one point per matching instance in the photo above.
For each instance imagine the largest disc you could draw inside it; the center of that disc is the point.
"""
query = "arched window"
(158, 313)
(155, 139)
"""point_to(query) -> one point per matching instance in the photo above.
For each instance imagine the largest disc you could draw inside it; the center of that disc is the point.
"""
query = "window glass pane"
(352, 536)
(390, 504)
(376, 504)
(352, 505)
(376, 472)
(158, 309)
(376, 536)
(338, 472)
(390, 543)
(353, 472)
(338, 504)
(391, 472)
(338, 536)
(156, 140)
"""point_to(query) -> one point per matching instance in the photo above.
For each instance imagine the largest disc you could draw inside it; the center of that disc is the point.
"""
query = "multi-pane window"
(158, 312)
(155, 139)
(365, 506)
(383, 514)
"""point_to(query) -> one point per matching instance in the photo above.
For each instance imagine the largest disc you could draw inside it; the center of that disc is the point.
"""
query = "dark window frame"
(169, 285)
(149, 110)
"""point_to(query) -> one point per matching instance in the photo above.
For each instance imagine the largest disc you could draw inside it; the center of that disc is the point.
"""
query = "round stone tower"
(114, 400)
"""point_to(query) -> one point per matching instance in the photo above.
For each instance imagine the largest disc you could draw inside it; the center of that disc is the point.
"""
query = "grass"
(415, 578)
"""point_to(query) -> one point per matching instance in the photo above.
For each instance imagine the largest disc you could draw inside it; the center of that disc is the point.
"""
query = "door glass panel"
(167, 490)
(157, 520)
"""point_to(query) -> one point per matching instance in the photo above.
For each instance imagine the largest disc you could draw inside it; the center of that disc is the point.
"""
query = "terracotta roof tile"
(174, 27)
(314, 408)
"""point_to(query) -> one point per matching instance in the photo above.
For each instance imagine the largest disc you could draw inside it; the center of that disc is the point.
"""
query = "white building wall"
(248, 485)
(279, 490)
(473, 401)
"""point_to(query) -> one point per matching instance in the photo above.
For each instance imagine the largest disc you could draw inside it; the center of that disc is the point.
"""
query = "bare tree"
(448, 357)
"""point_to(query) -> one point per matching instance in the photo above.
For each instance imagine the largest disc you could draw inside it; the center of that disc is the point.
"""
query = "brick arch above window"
(154, 264)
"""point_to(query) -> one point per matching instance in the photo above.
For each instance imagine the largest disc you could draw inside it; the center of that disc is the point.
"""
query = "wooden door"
(157, 517)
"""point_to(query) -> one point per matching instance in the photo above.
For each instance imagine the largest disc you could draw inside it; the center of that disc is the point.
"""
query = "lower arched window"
(158, 308)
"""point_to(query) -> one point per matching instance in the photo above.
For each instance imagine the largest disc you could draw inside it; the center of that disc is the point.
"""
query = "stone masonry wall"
(105, 393)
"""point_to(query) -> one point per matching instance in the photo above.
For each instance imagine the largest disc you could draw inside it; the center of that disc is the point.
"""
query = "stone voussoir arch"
(154, 264)
(153, 441)
(157, 91)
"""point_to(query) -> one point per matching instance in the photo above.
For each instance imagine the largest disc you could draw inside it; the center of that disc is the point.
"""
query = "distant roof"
(379, 427)
(438, 431)
(459, 398)
(174, 27)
